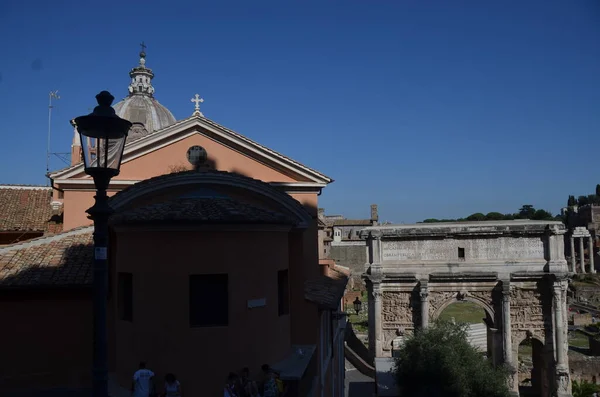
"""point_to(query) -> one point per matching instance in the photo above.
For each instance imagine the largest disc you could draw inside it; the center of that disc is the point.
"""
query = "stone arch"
(216, 178)
(519, 337)
(489, 309)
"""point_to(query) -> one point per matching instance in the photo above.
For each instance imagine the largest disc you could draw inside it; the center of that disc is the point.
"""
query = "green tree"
(509, 217)
(439, 361)
(598, 190)
(494, 216)
(571, 202)
(582, 200)
(478, 216)
(542, 215)
(526, 212)
(584, 389)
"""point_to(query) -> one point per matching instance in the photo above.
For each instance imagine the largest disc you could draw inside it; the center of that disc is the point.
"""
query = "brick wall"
(353, 257)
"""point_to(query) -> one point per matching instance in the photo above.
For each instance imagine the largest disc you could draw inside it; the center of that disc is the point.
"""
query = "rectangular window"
(125, 296)
(461, 253)
(283, 290)
(209, 300)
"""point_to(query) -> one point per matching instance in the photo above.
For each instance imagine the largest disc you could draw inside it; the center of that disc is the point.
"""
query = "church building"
(213, 263)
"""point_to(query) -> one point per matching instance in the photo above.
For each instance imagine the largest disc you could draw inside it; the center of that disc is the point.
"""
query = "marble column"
(377, 296)
(581, 255)
(507, 348)
(591, 253)
(573, 263)
(562, 365)
(558, 324)
(424, 294)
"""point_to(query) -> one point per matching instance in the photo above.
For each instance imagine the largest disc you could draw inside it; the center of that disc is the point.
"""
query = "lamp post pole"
(103, 135)
(99, 214)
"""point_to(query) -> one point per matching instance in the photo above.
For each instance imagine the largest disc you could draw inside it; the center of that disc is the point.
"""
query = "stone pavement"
(357, 384)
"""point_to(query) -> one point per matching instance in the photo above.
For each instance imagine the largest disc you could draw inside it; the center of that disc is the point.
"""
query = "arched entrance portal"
(532, 371)
(476, 311)
(474, 317)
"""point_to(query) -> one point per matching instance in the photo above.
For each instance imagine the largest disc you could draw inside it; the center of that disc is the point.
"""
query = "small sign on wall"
(100, 253)
(254, 303)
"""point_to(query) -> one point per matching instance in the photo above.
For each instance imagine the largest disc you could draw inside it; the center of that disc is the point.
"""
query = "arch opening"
(532, 370)
(479, 320)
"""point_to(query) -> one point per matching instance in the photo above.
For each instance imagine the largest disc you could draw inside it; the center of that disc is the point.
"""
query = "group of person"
(143, 384)
(241, 384)
(267, 384)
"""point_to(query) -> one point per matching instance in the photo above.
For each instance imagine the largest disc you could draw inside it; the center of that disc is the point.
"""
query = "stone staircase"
(477, 336)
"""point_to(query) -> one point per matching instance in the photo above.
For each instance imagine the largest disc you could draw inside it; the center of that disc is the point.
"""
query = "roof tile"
(63, 259)
(326, 291)
(26, 208)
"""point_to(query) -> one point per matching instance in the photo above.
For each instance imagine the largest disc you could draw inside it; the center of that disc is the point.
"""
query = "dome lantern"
(140, 107)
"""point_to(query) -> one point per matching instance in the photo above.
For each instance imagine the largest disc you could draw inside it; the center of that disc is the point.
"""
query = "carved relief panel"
(396, 309)
(437, 299)
(527, 313)
(396, 315)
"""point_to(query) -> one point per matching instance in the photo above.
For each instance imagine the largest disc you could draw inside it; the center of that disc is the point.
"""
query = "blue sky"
(427, 108)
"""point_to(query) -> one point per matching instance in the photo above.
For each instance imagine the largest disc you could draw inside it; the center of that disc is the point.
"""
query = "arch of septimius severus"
(515, 270)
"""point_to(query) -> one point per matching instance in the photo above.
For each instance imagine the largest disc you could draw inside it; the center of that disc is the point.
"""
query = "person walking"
(230, 386)
(143, 382)
(172, 386)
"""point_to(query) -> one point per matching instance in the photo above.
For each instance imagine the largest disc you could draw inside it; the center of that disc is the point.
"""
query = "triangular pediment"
(164, 151)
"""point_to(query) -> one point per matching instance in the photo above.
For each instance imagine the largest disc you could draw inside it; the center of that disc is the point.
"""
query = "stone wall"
(585, 368)
(352, 256)
(581, 319)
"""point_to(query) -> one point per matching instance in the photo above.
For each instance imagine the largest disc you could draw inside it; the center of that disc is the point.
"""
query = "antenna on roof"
(52, 95)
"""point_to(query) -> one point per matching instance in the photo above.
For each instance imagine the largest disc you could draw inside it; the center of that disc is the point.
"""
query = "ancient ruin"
(515, 270)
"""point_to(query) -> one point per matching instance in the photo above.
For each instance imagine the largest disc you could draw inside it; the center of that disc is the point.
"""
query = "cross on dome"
(197, 100)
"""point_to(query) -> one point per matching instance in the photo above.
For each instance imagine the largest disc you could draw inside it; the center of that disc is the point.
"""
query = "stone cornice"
(466, 229)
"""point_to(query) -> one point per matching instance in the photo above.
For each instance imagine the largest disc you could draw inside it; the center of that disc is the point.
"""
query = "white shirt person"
(143, 382)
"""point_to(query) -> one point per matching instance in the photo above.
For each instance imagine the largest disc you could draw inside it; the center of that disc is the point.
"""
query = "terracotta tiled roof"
(214, 210)
(351, 222)
(326, 291)
(25, 208)
(64, 259)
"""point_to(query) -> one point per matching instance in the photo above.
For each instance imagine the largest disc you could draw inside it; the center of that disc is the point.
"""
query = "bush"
(584, 389)
(440, 362)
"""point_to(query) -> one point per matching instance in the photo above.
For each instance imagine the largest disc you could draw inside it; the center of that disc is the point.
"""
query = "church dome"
(140, 107)
(145, 110)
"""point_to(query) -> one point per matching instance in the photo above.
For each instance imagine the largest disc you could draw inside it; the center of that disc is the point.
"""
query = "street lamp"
(357, 305)
(103, 135)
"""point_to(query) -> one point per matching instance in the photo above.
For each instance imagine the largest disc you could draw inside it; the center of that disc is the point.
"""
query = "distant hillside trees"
(527, 211)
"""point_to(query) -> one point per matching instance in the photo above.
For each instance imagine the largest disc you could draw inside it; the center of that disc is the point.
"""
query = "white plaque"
(100, 253)
(253, 303)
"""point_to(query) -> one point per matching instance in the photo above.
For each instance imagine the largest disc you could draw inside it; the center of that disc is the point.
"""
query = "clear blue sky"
(427, 108)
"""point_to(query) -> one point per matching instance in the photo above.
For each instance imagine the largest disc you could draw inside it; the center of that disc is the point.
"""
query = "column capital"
(556, 230)
(505, 289)
(377, 294)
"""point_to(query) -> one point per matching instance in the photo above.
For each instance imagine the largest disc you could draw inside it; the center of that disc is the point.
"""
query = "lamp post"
(357, 305)
(103, 135)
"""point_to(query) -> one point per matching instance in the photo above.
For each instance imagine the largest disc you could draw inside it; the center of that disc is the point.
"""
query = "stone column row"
(582, 254)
